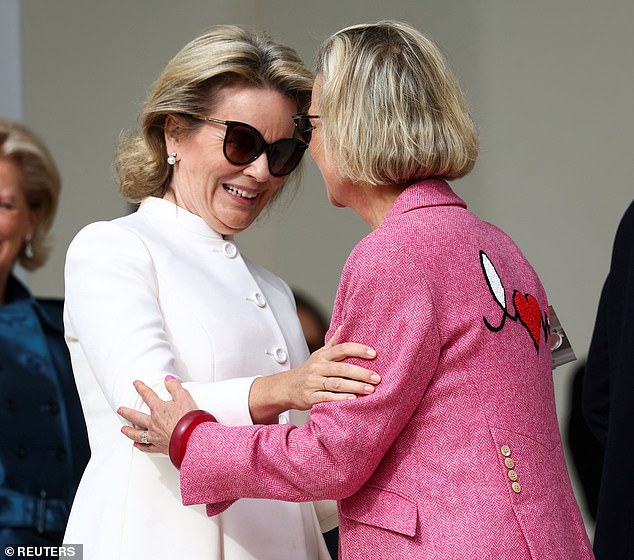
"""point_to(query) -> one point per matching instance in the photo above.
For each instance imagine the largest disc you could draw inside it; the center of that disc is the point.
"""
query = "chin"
(332, 199)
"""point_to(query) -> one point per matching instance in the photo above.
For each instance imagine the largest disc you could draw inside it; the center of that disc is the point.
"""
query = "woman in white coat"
(166, 291)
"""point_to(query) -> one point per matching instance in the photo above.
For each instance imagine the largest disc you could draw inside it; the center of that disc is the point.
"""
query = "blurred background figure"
(608, 398)
(313, 320)
(43, 442)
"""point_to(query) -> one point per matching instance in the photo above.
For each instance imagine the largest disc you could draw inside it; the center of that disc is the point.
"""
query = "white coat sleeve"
(112, 309)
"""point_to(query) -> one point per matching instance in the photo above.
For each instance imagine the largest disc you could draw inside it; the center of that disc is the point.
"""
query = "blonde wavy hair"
(391, 110)
(41, 184)
(189, 85)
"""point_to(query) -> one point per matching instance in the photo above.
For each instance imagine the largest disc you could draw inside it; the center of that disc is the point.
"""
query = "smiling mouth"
(239, 192)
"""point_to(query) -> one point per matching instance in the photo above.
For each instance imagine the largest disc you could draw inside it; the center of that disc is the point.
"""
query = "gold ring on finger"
(323, 383)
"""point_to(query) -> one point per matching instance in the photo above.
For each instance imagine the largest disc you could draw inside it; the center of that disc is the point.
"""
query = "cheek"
(10, 227)
(277, 186)
(323, 161)
(316, 150)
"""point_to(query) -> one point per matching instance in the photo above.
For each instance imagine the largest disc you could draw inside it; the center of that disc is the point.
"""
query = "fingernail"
(375, 377)
(368, 388)
(169, 377)
(352, 397)
(119, 410)
(370, 352)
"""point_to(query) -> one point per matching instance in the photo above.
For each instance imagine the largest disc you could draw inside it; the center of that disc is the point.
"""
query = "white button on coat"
(258, 298)
(279, 355)
(230, 250)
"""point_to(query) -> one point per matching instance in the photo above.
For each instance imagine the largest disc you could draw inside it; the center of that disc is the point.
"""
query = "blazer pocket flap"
(382, 508)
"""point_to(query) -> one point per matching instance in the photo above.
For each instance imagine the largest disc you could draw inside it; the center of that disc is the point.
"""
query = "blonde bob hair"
(391, 110)
(190, 85)
(41, 185)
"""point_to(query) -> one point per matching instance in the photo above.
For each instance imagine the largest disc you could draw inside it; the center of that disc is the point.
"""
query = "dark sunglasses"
(304, 126)
(244, 144)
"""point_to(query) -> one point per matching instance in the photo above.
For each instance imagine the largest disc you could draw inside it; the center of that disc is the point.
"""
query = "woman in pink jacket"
(458, 453)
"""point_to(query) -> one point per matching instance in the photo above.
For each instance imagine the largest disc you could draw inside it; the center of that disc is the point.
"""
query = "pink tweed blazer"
(457, 454)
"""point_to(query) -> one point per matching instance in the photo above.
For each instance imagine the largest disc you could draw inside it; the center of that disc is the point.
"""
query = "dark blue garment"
(608, 398)
(43, 442)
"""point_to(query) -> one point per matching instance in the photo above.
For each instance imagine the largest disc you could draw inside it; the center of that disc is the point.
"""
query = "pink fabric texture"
(457, 454)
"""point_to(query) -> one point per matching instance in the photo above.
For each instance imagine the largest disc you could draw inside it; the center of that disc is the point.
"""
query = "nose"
(259, 169)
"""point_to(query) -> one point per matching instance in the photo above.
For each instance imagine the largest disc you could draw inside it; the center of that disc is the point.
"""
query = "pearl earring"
(28, 248)
(171, 159)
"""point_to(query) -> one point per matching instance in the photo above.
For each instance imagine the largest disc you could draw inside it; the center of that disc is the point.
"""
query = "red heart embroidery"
(529, 314)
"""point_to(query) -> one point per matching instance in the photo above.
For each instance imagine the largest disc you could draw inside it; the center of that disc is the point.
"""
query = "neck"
(376, 203)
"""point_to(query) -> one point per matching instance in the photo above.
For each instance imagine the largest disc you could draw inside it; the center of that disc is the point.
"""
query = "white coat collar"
(166, 211)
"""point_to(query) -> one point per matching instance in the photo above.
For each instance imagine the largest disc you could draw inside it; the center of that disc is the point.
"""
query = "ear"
(173, 132)
(34, 218)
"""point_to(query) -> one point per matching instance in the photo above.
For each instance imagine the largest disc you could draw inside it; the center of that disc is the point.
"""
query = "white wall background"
(549, 83)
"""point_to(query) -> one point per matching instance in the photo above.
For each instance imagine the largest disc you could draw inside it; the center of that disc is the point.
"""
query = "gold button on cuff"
(512, 475)
(506, 450)
(516, 487)
(509, 463)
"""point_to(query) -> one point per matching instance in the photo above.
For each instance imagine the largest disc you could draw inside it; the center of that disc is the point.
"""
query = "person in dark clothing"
(608, 398)
(43, 442)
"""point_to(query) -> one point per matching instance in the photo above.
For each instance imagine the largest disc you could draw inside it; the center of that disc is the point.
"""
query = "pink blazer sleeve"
(383, 301)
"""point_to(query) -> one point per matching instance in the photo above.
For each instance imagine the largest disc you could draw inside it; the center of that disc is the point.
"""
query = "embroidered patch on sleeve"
(527, 310)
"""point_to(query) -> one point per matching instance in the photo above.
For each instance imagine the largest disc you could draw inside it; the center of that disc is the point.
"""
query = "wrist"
(266, 398)
(182, 431)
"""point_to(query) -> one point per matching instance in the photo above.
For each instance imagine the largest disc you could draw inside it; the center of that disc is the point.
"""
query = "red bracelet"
(182, 431)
